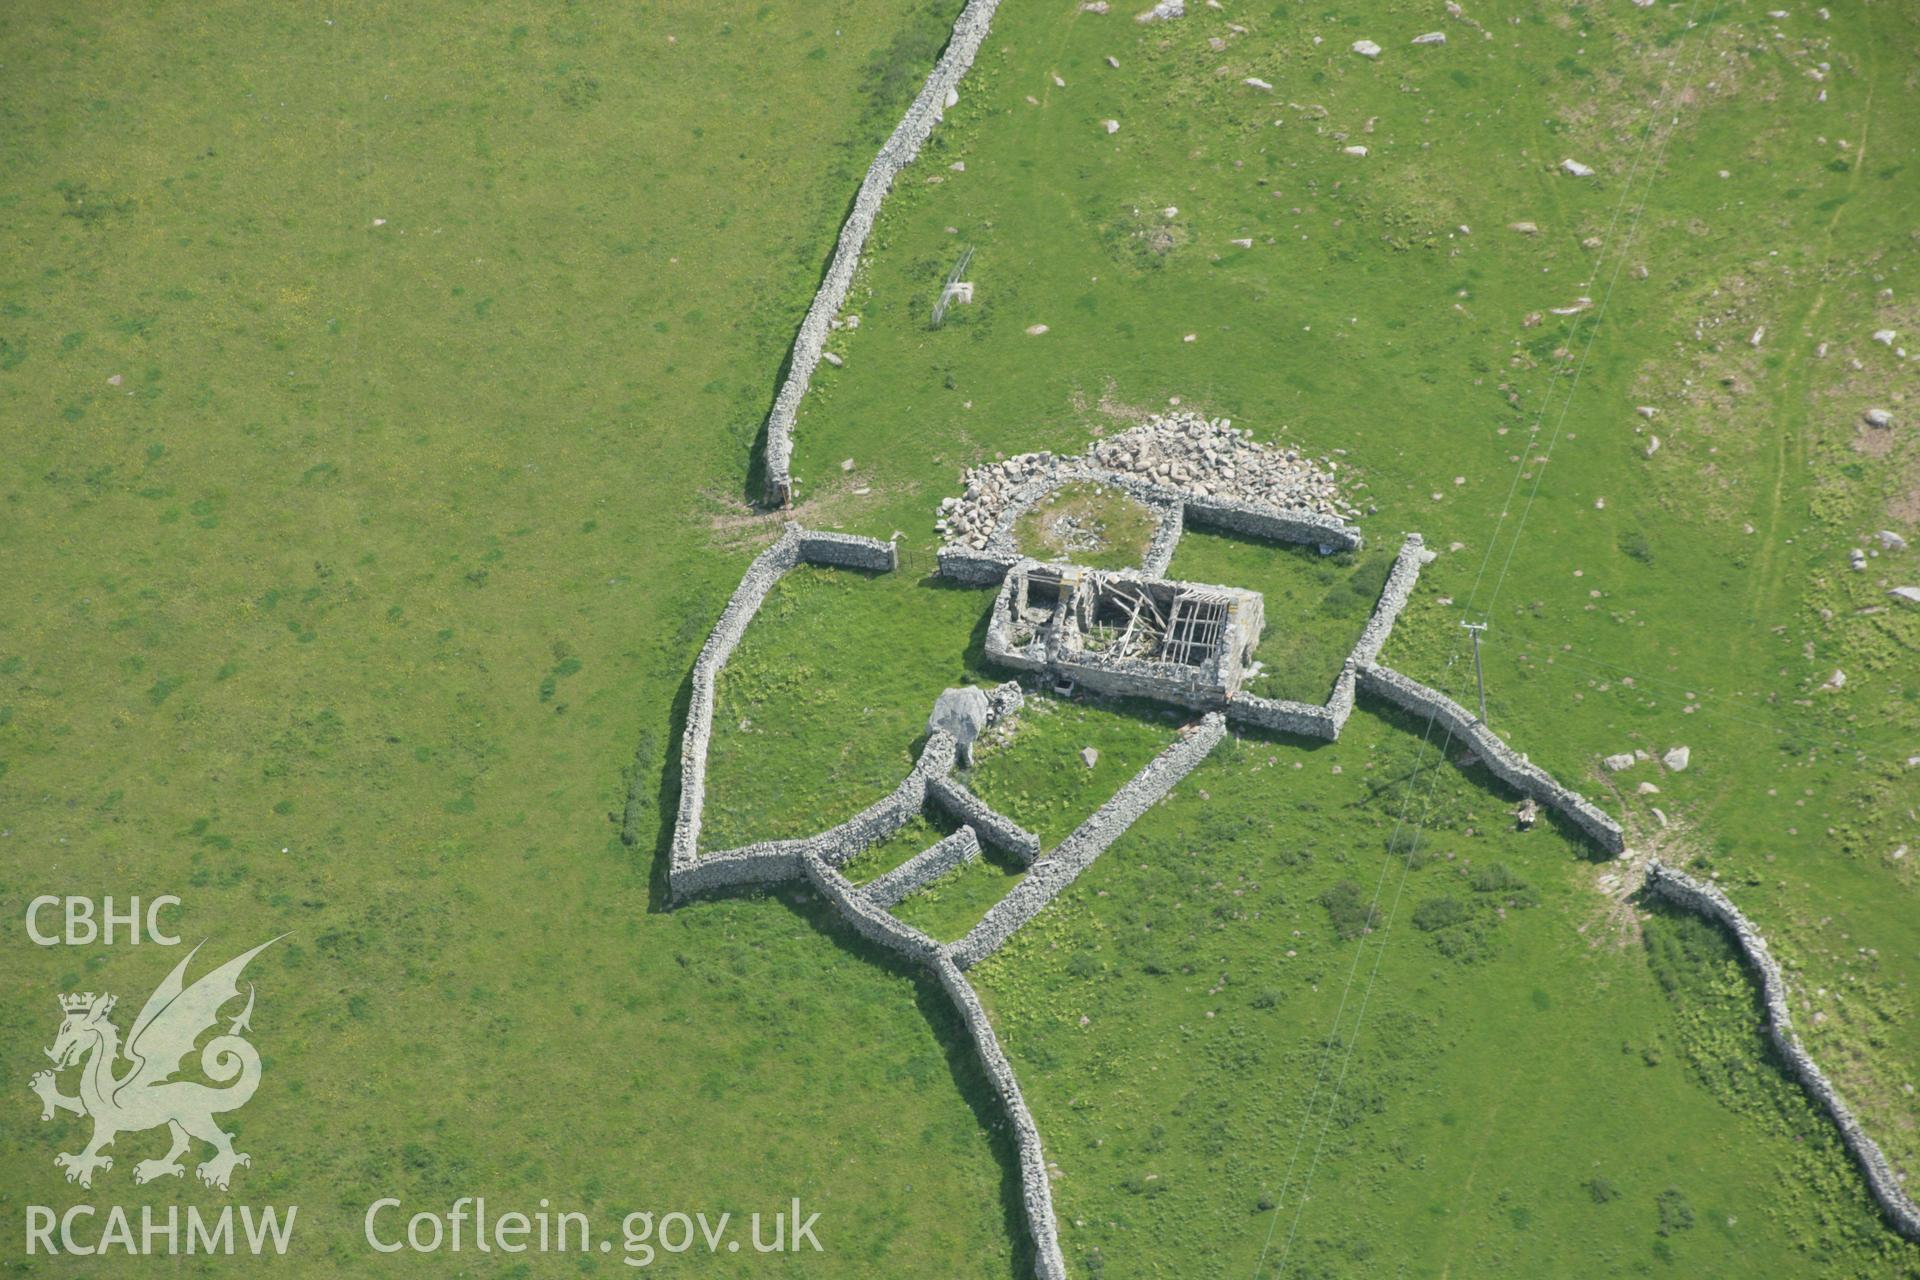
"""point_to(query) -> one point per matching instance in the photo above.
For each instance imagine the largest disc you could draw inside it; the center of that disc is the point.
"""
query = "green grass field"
(382, 388)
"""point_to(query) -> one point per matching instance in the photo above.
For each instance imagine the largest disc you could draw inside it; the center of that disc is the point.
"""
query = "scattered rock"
(1255, 82)
(1878, 418)
(1677, 759)
(1891, 540)
(1355, 150)
(1089, 757)
(1165, 10)
(1574, 167)
(1647, 411)
(1758, 335)
(1035, 330)
(832, 359)
(1111, 126)
(1113, 62)
(1657, 814)
(1647, 789)
(1858, 559)
(1884, 337)
(1653, 445)
(1094, 6)
(116, 380)
(1906, 595)
(846, 464)
(1242, 243)
(1431, 37)
(1615, 763)
(1524, 228)
(1366, 48)
(1838, 680)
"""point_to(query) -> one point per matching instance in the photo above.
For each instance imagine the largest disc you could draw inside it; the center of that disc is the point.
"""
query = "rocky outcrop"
(961, 714)
(1053, 873)
(1709, 901)
(896, 154)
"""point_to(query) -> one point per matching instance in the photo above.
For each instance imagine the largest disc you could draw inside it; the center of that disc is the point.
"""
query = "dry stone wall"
(974, 568)
(862, 831)
(958, 849)
(1501, 760)
(772, 861)
(1340, 705)
(1303, 719)
(1036, 1192)
(817, 858)
(1307, 527)
(896, 154)
(992, 827)
(1393, 598)
(1709, 901)
(1053, 873)
(871, 921)
(1158, 558)
(768, 568)
(848, 551)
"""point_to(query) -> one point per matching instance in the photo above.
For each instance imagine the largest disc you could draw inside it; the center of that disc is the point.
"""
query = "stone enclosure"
(1120, 633)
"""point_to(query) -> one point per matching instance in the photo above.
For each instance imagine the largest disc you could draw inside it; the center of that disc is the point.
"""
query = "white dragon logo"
(145, 1096)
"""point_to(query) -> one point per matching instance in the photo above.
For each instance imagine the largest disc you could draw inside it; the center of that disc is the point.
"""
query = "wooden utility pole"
(1479, 677)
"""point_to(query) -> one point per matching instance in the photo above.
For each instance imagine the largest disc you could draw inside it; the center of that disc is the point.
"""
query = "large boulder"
(961, 714)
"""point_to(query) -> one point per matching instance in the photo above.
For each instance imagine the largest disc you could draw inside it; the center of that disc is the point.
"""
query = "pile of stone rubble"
(1183, 452)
